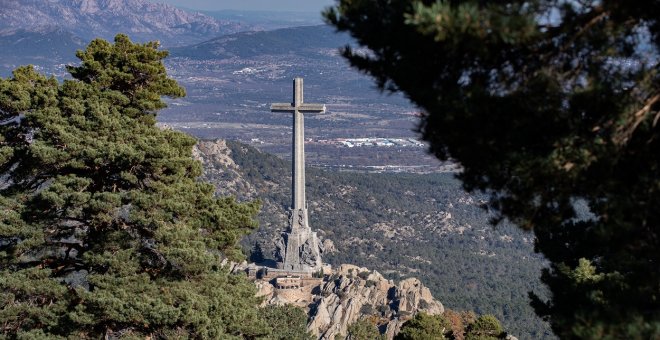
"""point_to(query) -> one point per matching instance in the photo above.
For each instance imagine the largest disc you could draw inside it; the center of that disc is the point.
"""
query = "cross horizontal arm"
(320, 108)
(282, 107)
(287, 107)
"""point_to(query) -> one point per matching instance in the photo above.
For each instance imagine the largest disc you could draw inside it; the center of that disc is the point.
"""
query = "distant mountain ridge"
(48, 49)
(88, 19)
(268, 20)
(51, 43)
(279, 41)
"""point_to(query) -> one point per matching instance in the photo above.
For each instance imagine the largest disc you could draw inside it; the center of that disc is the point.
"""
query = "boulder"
(412, 296)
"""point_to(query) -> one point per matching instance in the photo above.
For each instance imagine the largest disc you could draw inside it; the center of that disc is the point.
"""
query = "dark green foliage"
(287, 322)
(363, 329)
(105, 230)
(424, 326)
(256, 253)
(547, 105)
(486, 327)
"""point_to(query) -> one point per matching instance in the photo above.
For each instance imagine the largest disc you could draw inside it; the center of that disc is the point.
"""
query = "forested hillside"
(402, 225)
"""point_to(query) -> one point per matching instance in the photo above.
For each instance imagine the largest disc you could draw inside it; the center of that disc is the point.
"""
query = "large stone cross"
(298, 107)
(299, 249)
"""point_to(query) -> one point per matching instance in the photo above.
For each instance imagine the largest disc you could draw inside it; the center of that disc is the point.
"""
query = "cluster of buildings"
(358, 142)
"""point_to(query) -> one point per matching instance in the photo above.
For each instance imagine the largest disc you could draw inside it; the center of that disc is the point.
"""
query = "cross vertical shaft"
(298, 151)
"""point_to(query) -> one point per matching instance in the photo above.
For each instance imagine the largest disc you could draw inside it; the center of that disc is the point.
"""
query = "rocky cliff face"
(88, 19)
(352, 293)
(218, 164)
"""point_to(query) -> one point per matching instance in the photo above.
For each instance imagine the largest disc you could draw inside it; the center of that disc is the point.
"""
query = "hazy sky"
(269, 5)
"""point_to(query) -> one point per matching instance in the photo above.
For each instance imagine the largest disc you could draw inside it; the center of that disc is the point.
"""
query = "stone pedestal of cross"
(300, 249)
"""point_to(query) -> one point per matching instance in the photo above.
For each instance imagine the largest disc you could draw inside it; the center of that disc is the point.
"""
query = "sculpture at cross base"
(299, 249)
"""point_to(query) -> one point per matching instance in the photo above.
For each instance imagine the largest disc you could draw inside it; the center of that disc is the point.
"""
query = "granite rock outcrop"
(351, 293)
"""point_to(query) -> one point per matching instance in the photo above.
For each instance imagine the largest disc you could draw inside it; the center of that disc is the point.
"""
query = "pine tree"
(552, 107)
(363, 329)
(486, 327)
(424, 326)
(287, 322)
(105, 229)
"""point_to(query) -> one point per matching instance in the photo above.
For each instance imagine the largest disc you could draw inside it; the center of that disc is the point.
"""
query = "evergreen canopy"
(549, 105)
(424, 326)
(104, 228)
